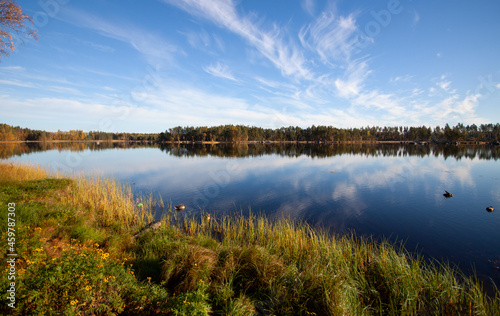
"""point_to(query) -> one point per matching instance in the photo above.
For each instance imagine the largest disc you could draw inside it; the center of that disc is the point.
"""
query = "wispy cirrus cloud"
(41, 83)
(220, 70)
(32, 85)
(351, 83)
(13, 68)
(309, 6)
(416, 18)
(151, 45)
(270, 43)
(331, 37)
(17, 83)
(404, 78)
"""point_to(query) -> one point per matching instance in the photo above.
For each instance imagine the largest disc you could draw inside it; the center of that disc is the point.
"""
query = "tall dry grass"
(11, 171)
(111, 202)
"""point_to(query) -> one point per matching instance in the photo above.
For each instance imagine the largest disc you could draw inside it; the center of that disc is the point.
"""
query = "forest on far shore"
(240, 133)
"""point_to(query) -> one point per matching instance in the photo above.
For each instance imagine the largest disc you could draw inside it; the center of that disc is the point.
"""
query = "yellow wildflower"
(88, 288)
(74, 302)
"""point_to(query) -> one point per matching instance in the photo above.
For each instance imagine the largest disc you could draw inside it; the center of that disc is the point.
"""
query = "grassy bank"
(82, 250)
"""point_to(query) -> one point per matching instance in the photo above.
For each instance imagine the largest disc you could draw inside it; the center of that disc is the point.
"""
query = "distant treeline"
(241, 133)
(232, 133)
(16, 133)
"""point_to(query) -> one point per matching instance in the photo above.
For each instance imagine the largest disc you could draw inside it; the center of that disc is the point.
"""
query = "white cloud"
(152, 46)
(416, 17)
(351, 86)
(347, 89)
(468, 105)
(416, 92)
(380, 101)
(219, 70)
(309, 6)
(54, 88)
(331, 37)
(404, 78)
(453, 109)
(17, 83)
(10, 68)
(271, 44)
(445, 85)
(198, 40)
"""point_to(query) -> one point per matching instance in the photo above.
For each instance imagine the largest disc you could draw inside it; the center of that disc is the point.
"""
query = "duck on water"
(180, 207)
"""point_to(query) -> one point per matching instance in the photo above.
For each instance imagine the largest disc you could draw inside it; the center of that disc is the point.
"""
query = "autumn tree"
(13, 21)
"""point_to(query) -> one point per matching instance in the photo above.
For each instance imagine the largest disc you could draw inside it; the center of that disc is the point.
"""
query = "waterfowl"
(180, 207)
(447, 194)
(490, 208)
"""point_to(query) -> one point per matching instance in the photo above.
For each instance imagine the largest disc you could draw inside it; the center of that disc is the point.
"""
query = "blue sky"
(146, 66)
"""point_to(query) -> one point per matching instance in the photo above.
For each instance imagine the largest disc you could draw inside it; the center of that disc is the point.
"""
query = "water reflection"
(8, 150)
(329, 150)
(14, 149)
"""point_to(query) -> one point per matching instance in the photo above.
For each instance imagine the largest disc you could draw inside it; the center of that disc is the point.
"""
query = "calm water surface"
(389, 191)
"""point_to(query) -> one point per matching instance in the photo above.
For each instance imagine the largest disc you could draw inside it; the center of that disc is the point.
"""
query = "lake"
(391, 191)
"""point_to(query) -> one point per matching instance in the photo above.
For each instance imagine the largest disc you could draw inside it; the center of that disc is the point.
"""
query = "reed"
(110, 202)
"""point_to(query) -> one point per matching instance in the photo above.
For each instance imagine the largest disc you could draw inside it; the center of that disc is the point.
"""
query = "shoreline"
(414, 142)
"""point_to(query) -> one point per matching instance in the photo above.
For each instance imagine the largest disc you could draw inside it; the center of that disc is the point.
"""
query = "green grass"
(78, 254)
